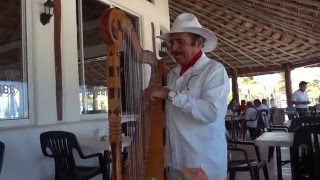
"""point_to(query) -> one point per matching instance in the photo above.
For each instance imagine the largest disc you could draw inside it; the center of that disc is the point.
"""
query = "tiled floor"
(272, 168)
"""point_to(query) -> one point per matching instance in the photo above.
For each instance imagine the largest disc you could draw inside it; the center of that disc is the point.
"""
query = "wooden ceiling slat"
(271, 25)
(308, 2)
(310, 62)
(232, 45)
(280, 11)
(292, 4)
(223, 61)
(260, 34)
(208, 21)
(255, 43)
(236, 46)
(222, 38)
(239, 7)
(238, 60)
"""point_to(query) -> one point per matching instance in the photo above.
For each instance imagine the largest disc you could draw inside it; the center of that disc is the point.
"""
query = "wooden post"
(57, 58)
(287, 76)
(235, 89)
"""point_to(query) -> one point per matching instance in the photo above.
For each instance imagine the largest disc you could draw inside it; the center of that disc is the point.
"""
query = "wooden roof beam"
(259, 70)
(307, 63)
(271, 69)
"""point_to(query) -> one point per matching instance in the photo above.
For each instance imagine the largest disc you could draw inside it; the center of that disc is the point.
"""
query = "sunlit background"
(272, 86)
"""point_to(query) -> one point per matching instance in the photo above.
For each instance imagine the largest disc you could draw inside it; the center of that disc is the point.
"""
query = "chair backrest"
(261, 123)
(271, 115)
(317, 109)
(265, 120)
(291, 112)
(61, 144)
(2, 149)
(303, 121)
(128, 127)
(305, 154)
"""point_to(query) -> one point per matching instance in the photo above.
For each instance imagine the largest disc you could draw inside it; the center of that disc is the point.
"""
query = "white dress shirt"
(300, 96)
(251, 115)
(196, 118)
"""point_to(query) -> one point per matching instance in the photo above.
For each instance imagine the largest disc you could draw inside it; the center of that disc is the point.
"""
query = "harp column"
(112, 36)
(114, 110)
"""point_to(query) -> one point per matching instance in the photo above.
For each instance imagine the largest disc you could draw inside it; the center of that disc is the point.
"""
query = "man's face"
(182, 49)
(302, 87)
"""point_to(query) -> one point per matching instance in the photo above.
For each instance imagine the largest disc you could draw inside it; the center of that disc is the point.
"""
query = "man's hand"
(154, 92)
(306, 102)
(303, 102)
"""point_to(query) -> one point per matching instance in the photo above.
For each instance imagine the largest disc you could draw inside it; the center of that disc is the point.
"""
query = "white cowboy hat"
(187, 22)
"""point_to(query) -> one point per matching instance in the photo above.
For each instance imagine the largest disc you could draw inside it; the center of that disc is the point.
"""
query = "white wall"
(23, 156)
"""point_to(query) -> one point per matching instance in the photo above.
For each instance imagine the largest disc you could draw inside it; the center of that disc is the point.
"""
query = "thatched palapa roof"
(259, 36)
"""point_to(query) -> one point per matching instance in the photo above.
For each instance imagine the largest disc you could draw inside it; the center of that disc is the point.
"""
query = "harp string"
(133, 73)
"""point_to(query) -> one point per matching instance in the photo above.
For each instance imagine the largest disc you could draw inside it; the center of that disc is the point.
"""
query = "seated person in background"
(251, 117)
(301, 100)
(264, 105)
(243, 107)
(265, 102)
(233, 106)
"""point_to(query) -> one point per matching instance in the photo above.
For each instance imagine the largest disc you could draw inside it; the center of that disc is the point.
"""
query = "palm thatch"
(259, 36)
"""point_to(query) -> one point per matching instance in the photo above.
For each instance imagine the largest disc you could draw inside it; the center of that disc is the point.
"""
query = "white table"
(102, 145)
(277, 139)
(235, 127)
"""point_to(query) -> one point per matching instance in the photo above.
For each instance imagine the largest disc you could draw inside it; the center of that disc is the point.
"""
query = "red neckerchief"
(191, 63)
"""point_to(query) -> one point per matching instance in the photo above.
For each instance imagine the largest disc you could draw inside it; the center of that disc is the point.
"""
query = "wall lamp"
(48, 12)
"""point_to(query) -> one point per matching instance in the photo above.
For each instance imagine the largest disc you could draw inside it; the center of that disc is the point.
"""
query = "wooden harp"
(146, 153)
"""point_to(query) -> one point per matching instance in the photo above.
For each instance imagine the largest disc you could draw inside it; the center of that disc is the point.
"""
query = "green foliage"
(313, 89)
(281, 84)
(249, 80)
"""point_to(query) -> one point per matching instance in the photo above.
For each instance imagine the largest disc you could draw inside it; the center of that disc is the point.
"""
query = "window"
(92, 57)
(13, 61)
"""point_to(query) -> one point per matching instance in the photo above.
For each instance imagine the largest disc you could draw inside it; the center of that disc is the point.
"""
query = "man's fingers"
(152, 93)
(152, 98)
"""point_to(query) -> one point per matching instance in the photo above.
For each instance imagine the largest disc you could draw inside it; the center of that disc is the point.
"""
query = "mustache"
(175, 53)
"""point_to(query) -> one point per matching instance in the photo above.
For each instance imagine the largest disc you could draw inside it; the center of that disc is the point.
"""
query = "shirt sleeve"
(294, 97)
(213, 101)
(251, 114)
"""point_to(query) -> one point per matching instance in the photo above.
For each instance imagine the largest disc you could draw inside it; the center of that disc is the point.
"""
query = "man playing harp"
(196, 94)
